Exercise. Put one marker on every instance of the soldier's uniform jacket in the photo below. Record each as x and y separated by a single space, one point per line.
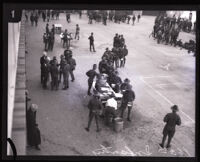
94 105
125 51
54 70
171 119
66 70
128 96
72 63
77 29
91 38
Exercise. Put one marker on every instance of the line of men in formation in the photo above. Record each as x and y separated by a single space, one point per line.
65 68
117 17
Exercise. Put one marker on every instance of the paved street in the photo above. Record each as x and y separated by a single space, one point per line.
161 75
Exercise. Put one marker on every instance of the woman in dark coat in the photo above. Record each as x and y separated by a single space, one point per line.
33 133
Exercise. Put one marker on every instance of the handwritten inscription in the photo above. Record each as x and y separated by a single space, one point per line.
124 152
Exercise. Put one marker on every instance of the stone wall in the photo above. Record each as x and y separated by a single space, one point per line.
19 114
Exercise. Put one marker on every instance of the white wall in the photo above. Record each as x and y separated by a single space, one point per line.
13 43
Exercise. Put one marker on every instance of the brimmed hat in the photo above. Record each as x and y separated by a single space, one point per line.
34 107
175 108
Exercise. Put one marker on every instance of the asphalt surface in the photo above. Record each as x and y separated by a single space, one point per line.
161 75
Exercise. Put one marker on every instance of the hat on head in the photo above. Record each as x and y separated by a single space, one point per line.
126 80
175 108
34 107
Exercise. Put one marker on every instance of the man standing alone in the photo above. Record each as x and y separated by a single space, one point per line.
172 119
91 38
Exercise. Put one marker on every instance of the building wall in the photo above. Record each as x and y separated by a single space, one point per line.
13 43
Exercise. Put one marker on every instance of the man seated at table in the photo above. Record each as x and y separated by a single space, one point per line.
115 81
101 82
110 109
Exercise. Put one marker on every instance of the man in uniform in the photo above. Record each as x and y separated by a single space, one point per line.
124 85
91 74
54 73
94 107
77 32
62 60
47 28
128 18
127 101
103 65
171 119
91 38
125 53
72 63
42 62
110 110
51 41
133 19
46 41
66 70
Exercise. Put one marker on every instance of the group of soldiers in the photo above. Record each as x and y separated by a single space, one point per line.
165 30
65 68
116 16
115 58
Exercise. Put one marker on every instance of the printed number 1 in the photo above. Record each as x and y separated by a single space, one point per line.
13 13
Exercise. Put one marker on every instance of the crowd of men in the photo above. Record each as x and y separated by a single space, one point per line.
56 70
115 16
166 30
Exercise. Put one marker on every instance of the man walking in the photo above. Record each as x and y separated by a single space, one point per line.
94 107
91 74
91 38
172 119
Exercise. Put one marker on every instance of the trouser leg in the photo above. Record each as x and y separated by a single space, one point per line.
72 74
129 112
164 138
96 119
89 87
91 115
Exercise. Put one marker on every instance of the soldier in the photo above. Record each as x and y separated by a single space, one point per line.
51 41
47 28
116 57
127 101
36 19
32 19
106 54
91 74
122 41
65 38
72 64
94 107
103 65
133 19
67 54
115 40
54 74
171 119
110 110
68 17
91 38
57 15
124 85
62 60
42 62
77 31
46 70
115 81
45 41
66 70
48 15
125 53
53 29
43 16
121 56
